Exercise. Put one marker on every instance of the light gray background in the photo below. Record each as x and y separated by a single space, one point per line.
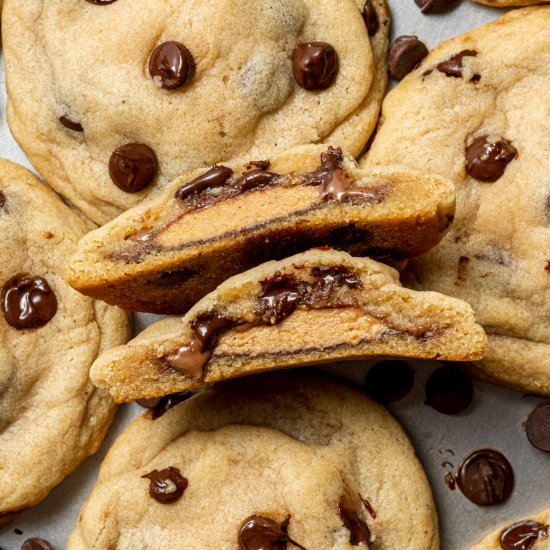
495 418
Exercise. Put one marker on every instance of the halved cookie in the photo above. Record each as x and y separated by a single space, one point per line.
166 254
528 534
51 415
273 461
315 307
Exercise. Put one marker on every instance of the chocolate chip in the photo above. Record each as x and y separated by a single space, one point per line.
132 167
435 6
161 405
262 165
523 535
28 302
166 485
101 2
406 53
389 381
171 65
3 200
259 533
485 477
487 160
449 390
217 176
256 179
359 531
452 66
36 544
279 299
315 65
71 124
538 428
371 18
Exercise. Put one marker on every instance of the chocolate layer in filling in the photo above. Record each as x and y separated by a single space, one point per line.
219 184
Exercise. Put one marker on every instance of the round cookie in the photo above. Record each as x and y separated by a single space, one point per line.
464 114
51 415
530 533
299 447
241 83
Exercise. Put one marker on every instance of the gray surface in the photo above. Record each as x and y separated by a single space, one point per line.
494 419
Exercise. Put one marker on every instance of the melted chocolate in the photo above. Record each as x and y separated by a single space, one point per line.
359 531
486 160
218 176
171 65
371 18
315 65
28 302
523 535
166 485
161 405
257 179
260 533
389 381
36 544
281 295
453 65
485 477
336 184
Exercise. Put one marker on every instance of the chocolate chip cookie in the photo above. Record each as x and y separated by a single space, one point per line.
148 92
51 415
528 534
272 461
476 112
166 254
315 307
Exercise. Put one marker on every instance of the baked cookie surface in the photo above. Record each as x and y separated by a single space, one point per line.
527 534
167 253
120 114
315 307
299 447
51 415
464 114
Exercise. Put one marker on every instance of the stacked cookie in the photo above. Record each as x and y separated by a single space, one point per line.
218 151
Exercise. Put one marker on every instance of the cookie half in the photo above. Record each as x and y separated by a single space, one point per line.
120 114
166 254
528 534
51 415
463 114
271 458
316 307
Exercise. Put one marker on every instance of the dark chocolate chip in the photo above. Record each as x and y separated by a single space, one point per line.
3 200
166 485
71 124
259 533
371 18
435 6
486 477
132 167
255 179
315 65
161 405
28 302
406 53
389 381
101 2
359 531
217 176
452 66
36 544
538 428
171 65
487 160
523 535
279 299
449 390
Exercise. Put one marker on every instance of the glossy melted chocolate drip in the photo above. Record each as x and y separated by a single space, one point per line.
259 533
523 535
217 176
336 184
281 295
